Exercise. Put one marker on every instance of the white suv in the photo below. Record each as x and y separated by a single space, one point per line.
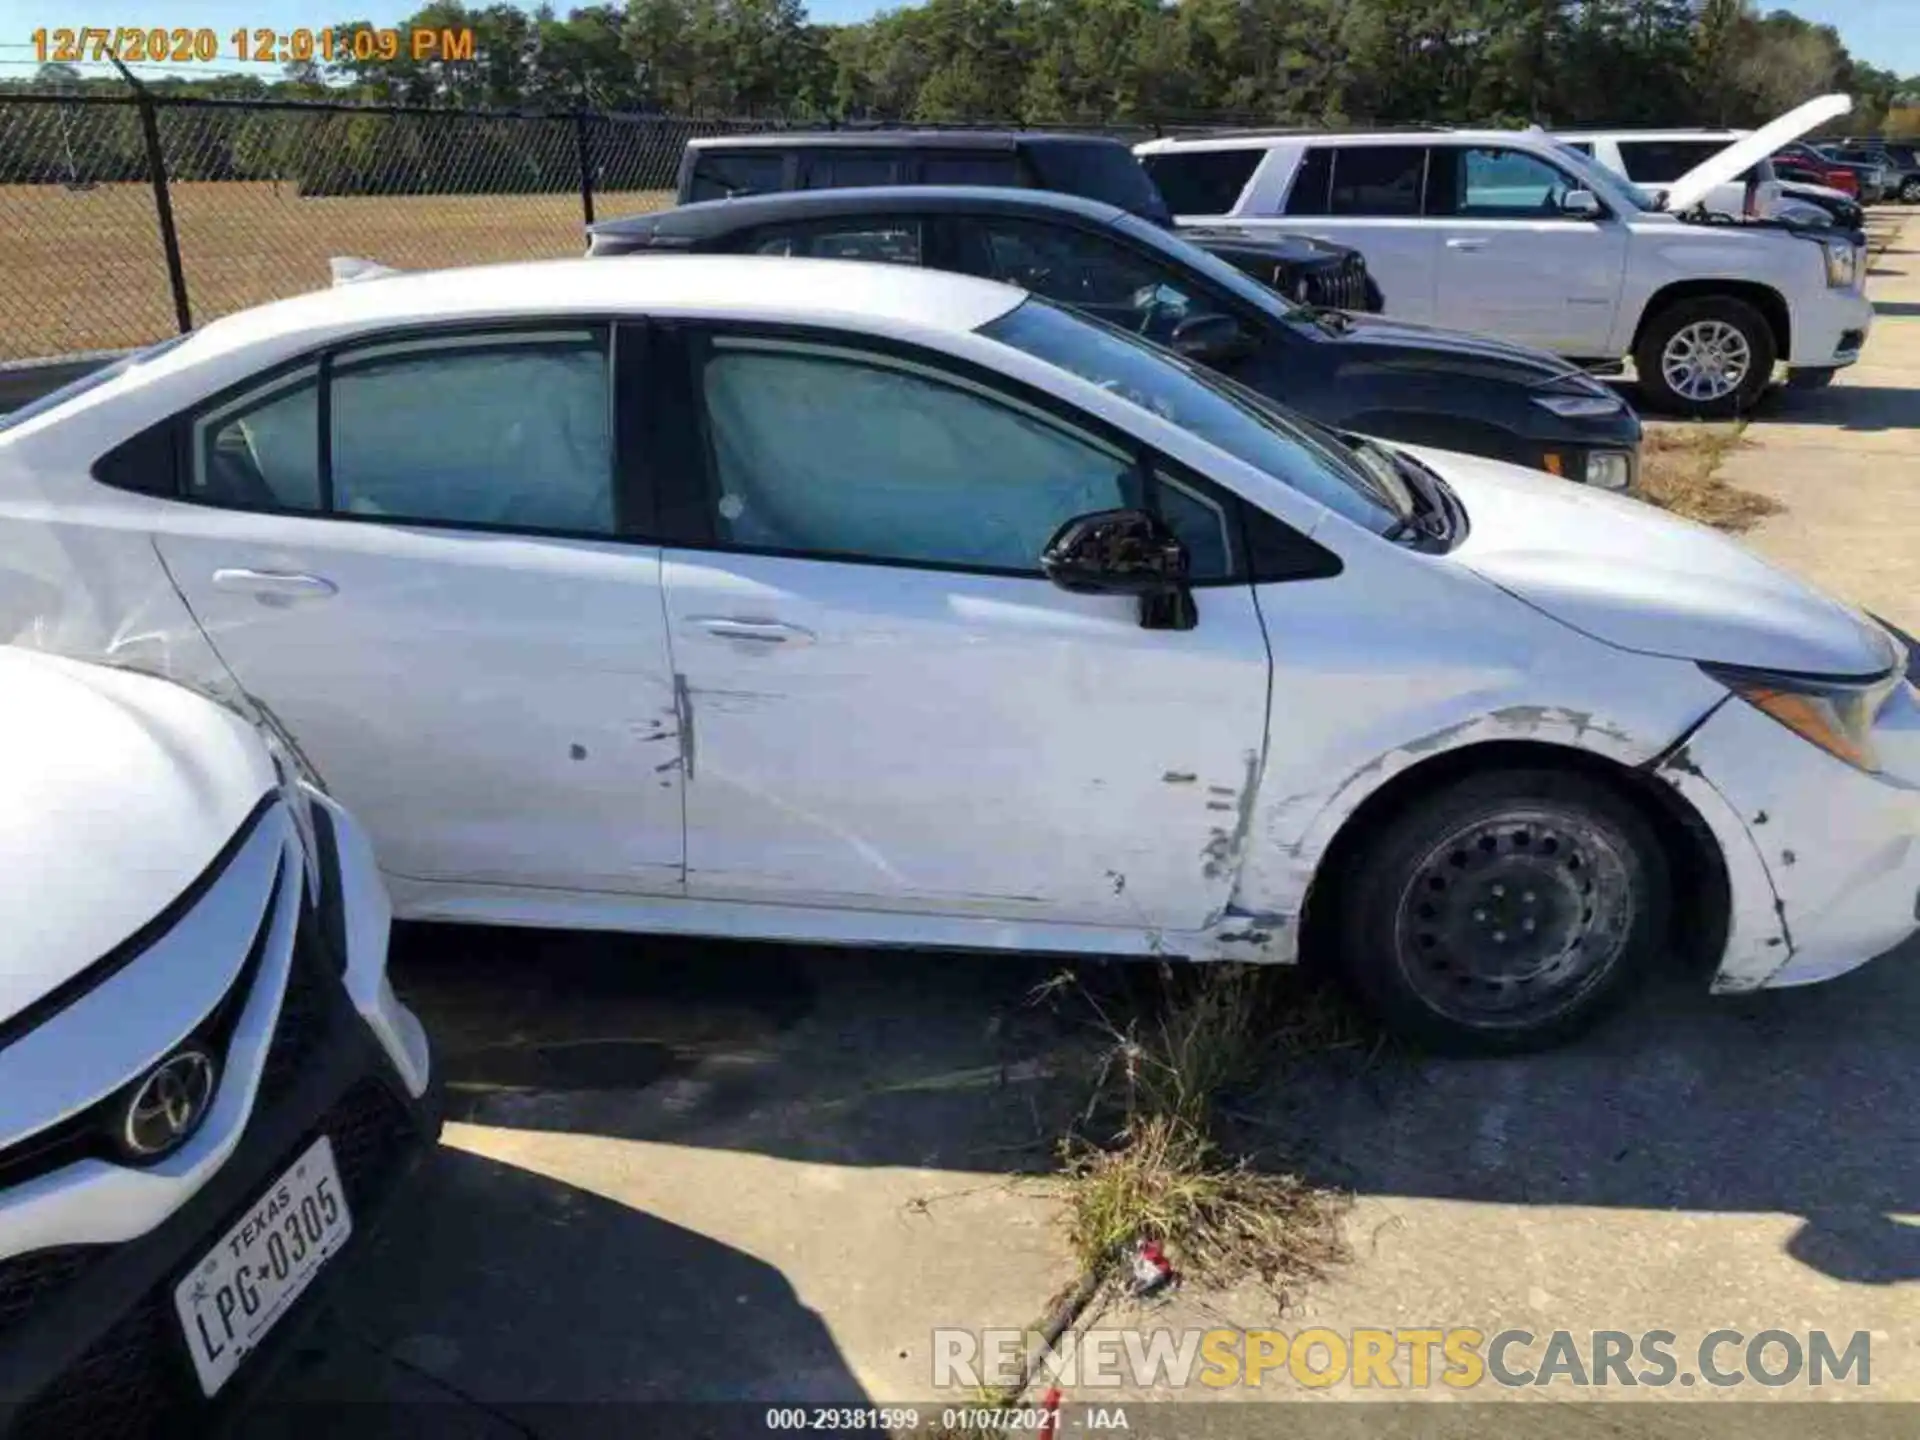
1513 233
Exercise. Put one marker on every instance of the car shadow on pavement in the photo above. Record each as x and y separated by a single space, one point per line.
498 1302
1850 407
1795 1102
847 1057
1888 309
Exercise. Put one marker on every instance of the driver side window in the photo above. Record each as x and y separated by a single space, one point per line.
1493 184
905 464
1087 272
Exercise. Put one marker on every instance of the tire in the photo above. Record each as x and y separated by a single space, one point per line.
1420 915
1728 328
1910 190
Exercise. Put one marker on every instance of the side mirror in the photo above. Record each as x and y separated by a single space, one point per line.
1582 203
1211 339
1124 552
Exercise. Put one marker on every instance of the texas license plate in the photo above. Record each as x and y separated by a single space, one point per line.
236 1294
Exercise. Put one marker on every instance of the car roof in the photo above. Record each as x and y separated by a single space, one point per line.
1003 140
1382 135
1677 134
723 286
706 218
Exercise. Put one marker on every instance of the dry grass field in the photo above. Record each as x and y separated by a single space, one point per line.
83 269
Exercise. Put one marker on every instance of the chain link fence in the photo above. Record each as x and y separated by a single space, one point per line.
126 218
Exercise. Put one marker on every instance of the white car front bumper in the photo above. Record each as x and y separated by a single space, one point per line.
1823 860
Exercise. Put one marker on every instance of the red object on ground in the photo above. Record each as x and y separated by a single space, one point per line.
1151 1268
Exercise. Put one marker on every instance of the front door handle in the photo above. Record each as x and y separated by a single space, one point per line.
1466 244
282 584
764 632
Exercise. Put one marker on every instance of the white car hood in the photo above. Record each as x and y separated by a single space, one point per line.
1729 164
1637 578
119 790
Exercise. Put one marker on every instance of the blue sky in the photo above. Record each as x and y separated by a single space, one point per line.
1881 32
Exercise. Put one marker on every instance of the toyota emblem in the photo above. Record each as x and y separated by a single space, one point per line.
168 1105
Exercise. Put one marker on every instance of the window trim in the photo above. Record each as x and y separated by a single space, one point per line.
634 480
695 480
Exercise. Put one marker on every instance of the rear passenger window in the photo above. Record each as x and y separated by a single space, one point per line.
830 170
508 430
969 170
893 241
1203 182
503 429
1377 180
721 175
1657 162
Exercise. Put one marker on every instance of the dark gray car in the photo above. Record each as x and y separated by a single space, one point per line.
1096 167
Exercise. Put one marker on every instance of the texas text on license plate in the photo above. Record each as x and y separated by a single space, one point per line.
254 1275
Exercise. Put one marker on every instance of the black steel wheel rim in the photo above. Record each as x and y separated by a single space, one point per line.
1513 917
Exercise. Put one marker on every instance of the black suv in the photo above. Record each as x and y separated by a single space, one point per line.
1093 166
1360 373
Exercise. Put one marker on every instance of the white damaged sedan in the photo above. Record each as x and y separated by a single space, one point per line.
868 605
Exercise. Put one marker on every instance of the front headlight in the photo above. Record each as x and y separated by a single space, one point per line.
1610 470
1843 262
1837 716
1579 407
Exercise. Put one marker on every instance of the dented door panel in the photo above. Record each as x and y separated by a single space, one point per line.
496 709
890 738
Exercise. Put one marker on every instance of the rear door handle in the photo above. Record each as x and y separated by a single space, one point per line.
286 584
764 632
1465 244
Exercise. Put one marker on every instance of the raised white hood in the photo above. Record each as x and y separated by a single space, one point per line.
1694 186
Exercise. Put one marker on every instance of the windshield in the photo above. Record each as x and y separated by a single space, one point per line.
1602 181
1212 268
1248 427
113 370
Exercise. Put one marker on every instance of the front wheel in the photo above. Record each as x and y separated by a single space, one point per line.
1504 912
1910 190
1710 357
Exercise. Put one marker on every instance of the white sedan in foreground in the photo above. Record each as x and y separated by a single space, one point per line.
207 1087
843 603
